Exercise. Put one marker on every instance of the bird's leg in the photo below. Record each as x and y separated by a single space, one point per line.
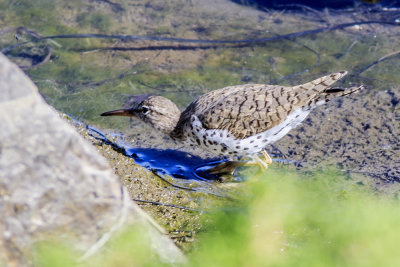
262 163
256 161
267 158
229 167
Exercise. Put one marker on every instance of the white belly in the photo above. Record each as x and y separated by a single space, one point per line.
221 142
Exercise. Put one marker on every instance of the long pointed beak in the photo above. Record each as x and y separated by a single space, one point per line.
118 112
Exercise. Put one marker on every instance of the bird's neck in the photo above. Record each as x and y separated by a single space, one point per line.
169 125
178 132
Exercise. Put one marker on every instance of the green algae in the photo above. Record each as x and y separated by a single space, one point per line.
212 69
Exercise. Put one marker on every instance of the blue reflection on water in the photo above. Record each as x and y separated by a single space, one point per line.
177 164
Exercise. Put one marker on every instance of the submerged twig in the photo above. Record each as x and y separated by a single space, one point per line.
127 38
36 36
348 49
385 57
42 61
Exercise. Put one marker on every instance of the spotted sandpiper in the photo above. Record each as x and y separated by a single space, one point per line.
236 120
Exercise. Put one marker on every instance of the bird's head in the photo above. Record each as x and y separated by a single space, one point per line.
158 111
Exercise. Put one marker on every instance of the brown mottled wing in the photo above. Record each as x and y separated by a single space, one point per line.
245 110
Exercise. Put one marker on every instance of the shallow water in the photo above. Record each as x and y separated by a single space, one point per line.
86 76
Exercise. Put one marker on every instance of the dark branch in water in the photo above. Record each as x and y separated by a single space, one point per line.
200 44
130 38
197 41
36 60
42 61
385 57
155 47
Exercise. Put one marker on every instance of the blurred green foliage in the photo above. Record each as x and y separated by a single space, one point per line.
293 220
284 219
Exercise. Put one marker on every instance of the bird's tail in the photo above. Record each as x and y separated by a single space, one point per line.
320 84
332 93
336 92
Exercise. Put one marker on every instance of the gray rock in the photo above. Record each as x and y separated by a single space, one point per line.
54 183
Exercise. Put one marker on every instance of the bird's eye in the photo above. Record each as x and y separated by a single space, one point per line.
145 110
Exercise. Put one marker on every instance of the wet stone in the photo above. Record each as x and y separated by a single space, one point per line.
53 183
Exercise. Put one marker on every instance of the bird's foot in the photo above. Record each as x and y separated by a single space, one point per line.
267 158
228 167
262 163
